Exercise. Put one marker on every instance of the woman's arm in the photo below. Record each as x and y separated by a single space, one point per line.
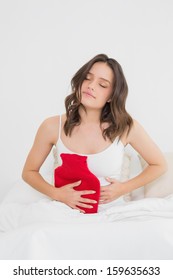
144 145
44 140
46 137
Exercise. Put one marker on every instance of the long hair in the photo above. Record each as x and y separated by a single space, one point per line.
114 112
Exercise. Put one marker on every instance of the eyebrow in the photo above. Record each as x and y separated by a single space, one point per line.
100 78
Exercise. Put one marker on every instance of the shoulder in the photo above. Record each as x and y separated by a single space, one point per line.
137 133
50 128
51 121
134 131
136 126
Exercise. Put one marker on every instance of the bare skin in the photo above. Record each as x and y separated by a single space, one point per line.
87 139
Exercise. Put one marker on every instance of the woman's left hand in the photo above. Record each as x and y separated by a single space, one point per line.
111 191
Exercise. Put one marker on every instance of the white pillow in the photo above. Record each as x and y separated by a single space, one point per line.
131 167
162 186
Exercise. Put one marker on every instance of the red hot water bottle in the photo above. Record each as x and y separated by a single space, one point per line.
74 168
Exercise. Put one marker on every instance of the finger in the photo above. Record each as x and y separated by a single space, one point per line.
105 192
102 189
106 188
87 192
104 201
111 180
90 201
105 196
75 184
84 205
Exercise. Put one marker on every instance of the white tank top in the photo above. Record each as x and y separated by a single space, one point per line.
106 163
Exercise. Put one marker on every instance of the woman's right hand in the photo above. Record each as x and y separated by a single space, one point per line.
68 195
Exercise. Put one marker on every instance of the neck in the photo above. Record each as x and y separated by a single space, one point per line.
90 116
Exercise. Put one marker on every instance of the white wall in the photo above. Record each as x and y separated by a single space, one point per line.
44 42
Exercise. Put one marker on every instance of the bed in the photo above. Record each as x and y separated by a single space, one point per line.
137 226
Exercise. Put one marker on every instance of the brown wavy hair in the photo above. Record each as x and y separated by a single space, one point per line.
114 112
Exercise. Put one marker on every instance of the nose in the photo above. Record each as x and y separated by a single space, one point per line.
90 88
91 85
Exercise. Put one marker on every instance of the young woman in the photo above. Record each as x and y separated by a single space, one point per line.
95 124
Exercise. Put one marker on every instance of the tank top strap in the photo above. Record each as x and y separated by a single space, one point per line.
60 124
56 153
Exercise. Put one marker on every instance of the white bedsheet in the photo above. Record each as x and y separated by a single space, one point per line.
35 227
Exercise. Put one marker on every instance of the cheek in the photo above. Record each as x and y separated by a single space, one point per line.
85 82
81 88
84 85
107 95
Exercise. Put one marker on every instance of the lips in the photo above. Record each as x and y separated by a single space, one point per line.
89 93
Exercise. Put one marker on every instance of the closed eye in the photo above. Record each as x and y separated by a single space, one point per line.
103 86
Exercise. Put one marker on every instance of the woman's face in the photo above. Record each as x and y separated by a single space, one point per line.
97 87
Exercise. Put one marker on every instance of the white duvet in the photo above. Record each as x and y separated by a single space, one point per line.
35 227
